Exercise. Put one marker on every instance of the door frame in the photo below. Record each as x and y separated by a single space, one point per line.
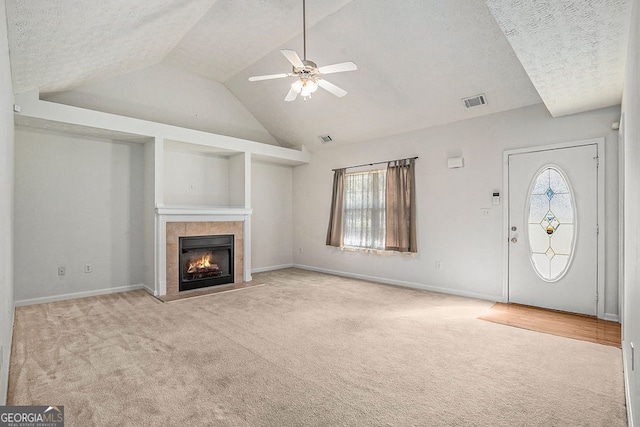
600 144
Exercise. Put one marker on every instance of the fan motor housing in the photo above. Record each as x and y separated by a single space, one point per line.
310 68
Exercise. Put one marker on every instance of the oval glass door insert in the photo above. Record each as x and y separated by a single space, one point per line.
551 224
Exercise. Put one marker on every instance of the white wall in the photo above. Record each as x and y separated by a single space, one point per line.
6 207
449 201
239 177
149 210
193 178
631 294
271 197
77 200
167 95
271 222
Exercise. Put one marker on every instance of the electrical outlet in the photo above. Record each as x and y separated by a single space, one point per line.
88 268
485 212
438 265
62 270
300 250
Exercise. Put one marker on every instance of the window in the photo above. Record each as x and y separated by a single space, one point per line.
551 224
375 209
364 209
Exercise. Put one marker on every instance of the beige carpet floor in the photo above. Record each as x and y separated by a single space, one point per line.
306 349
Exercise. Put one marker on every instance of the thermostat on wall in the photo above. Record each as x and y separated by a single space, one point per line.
455 162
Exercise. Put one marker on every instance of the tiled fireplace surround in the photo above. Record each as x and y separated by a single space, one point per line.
175 230
173 222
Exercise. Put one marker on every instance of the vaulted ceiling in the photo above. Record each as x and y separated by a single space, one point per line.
416 59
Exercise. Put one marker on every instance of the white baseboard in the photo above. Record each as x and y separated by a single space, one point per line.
53 298
625 361
403 283
612 317
271 268
150 291
4 387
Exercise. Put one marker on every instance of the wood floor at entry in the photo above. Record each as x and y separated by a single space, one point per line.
569 325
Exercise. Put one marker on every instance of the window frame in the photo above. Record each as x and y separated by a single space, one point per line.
379 211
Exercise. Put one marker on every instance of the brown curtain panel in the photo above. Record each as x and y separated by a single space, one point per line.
334 232
401 206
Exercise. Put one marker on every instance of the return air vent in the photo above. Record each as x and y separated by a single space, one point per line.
475 101
325 139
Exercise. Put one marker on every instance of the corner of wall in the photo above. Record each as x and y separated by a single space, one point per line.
6 207
631 145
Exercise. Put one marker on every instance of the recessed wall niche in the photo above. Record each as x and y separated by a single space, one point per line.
201 178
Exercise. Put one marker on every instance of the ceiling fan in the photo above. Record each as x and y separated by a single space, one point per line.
309 75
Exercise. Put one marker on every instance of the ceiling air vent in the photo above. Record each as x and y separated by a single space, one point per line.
325 139
475 101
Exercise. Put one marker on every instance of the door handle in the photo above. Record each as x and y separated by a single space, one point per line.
514 240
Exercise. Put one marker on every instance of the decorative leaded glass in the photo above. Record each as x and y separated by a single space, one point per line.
551 224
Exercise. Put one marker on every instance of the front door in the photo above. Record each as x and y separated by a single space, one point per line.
553 226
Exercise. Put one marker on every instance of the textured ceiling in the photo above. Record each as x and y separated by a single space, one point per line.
234 34
60 44
415 64
416 58
573 51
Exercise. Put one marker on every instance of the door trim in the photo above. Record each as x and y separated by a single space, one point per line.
599 142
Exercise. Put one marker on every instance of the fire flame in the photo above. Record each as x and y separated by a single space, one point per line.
199 264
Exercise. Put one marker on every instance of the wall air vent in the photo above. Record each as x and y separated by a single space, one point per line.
475 101
325 139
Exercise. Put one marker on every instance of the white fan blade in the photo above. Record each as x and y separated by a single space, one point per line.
291 96
330 87
292 57
268 77
338 68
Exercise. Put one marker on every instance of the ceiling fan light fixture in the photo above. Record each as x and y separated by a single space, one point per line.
304 87
308 87
309 76
297 86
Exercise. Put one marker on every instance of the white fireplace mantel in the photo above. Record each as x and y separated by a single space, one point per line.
179 213
199 211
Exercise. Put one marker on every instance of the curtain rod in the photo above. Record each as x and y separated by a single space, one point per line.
375 163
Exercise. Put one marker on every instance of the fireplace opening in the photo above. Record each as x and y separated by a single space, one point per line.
205 261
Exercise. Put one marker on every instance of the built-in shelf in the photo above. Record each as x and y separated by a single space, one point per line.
235 157
66 118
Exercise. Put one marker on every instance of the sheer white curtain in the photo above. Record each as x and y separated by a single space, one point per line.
364 209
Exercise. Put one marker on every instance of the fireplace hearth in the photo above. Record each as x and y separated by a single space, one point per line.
205 261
